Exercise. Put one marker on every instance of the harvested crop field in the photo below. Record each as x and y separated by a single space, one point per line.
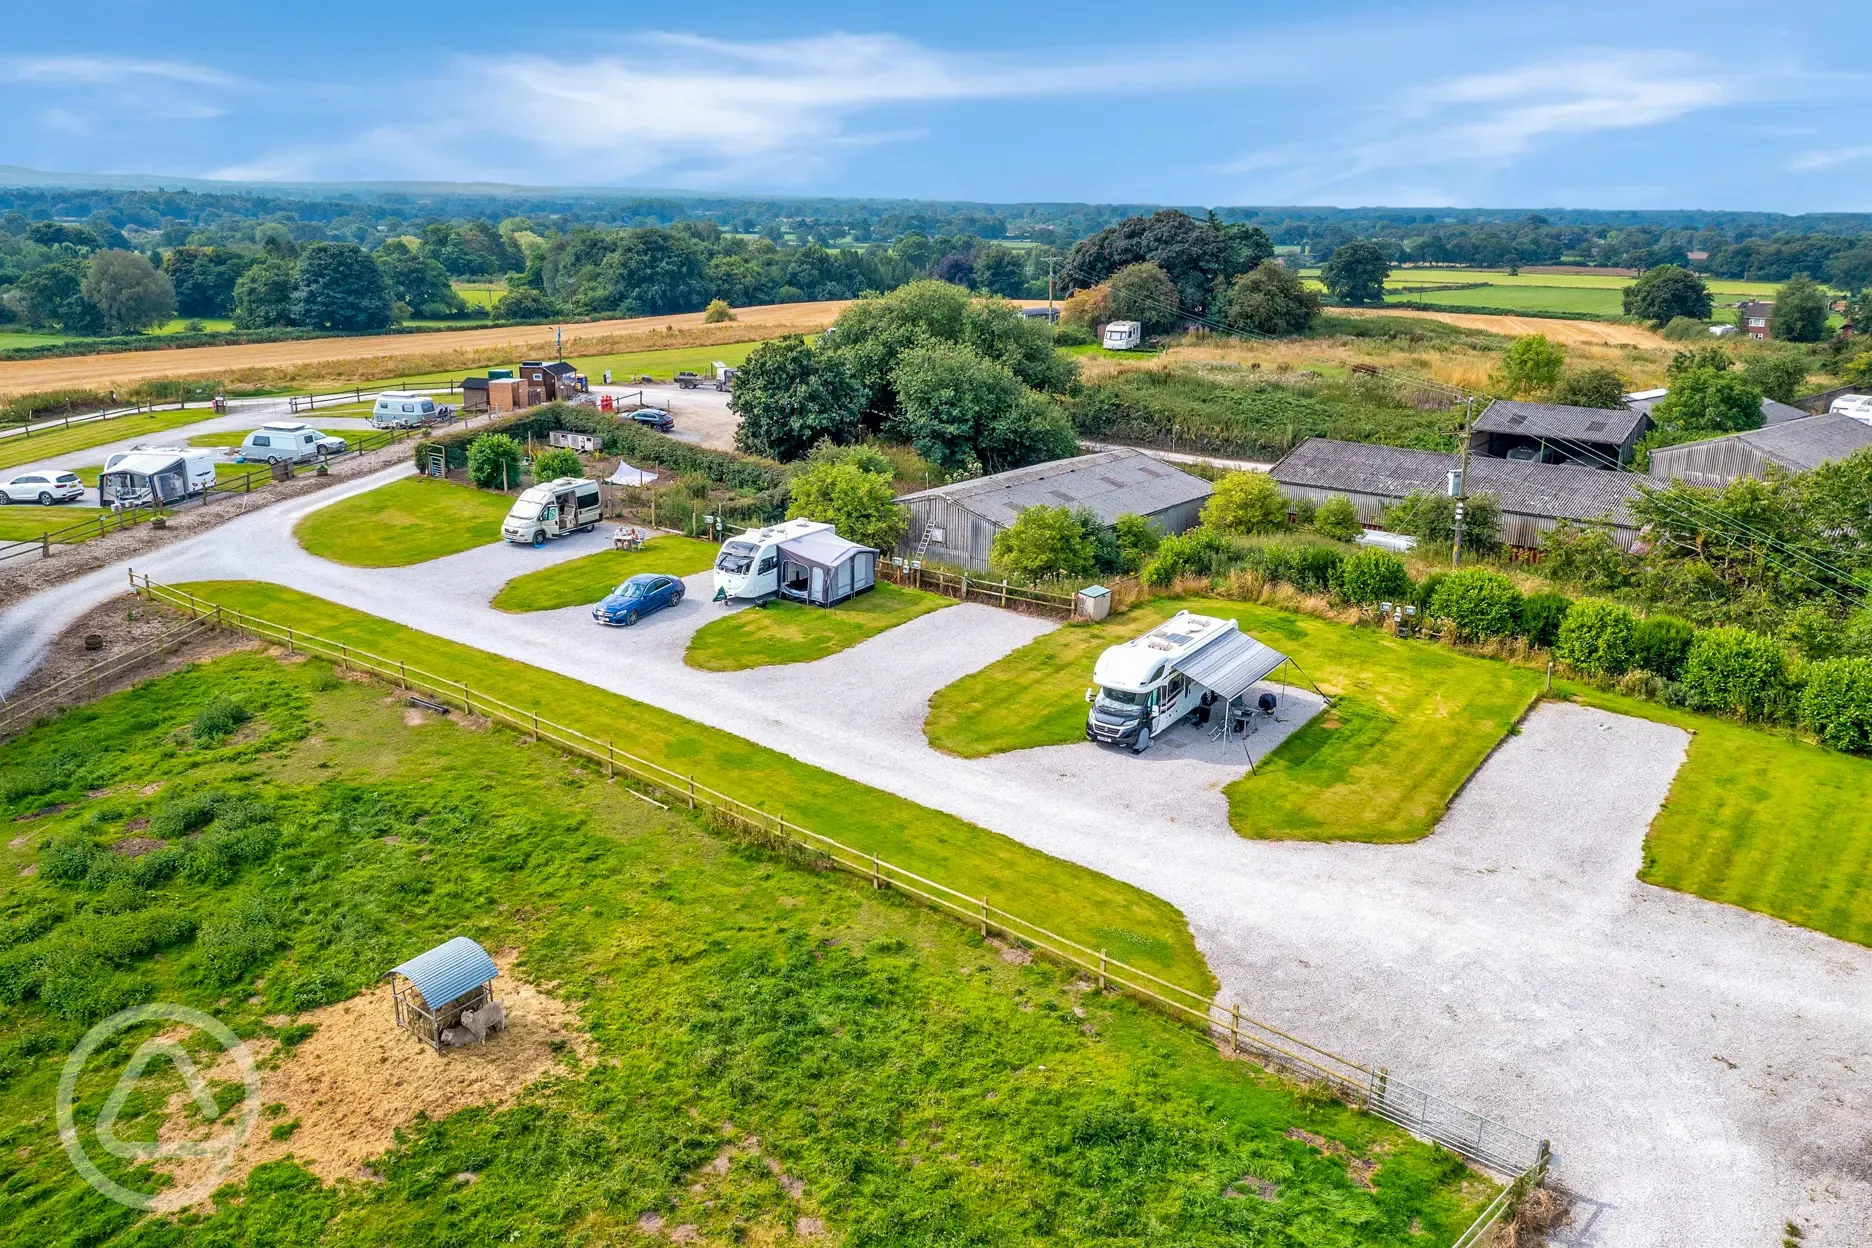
1567 333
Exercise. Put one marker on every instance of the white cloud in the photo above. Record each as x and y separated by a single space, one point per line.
104 71
1828 158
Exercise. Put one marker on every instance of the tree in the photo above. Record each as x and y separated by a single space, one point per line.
1272 300
717 312
1337 518
1703 401
1430 517
999 271
961 411
128 290
1136 539
420 283
1200 257
204 278
1800 311
494 462
1596 386
1245 502
1777 374
1088 307
263 295
1851 270
1355 273
1144 293
957 268
1042 542
338 286
550 465
1666 292
50 289
858 503
1531 365
790 395
525 304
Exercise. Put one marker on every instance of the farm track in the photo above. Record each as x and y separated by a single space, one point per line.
1568 333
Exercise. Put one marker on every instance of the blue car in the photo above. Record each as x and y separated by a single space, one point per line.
638 597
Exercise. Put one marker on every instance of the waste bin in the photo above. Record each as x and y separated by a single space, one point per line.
1092 603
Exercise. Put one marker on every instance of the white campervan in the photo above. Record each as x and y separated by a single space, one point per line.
553 509
1142 690
1123 335
200 463
400 409
748 567
1857 406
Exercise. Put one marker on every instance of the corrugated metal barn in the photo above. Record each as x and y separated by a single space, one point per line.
1533 497
961 520
1795 445
1556 434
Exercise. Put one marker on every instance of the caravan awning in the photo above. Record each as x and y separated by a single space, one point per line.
1232 666
824 549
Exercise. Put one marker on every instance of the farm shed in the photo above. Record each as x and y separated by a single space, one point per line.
1552 433
433 990
1773 413
474 394
960 520
824 569
546 381
1533 497
1794 445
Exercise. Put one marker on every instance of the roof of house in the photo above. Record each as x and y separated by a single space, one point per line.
1794 444
450 970
1109 484
1557 491
1554 420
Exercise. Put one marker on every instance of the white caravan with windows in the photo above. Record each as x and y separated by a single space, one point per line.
748 567
400 409
1142 688
1123 335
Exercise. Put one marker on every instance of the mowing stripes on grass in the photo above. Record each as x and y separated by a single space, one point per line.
1079 904
409 521
585 580
15 450
791 632
1408 725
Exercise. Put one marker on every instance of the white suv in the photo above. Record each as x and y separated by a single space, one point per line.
42 487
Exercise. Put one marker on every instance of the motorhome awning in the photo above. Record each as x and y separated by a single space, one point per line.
1232 666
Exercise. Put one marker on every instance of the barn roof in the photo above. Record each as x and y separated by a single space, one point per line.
1557 421
1109 484
1794 444
450 970
1553 491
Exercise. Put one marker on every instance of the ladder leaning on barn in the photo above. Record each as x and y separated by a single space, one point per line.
923 544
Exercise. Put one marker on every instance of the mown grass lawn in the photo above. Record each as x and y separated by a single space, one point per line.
1090 908
738 1005
1595 300
791 632
15 450
22 522
409 521
1409 721
1759 820
589 578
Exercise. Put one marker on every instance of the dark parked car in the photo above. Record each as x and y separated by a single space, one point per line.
655 417
638 597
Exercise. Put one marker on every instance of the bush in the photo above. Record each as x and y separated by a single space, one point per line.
1301 564
184 814
1424 593
717 312
1042 542
1479 604
1372 575
856 501
525 304
218 719
228 949
1073 335
1541 615
67 859
1245 502
555 463
1733 669
1660 644
1337 518
1686 329
1430 517
494 462
1199 552
1136 538
1595 638
1836 704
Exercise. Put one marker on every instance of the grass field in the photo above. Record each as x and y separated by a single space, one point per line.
26 521
1718 286
907 1084
55 442
1594 300
582 581
625 366
1760 821
790 632
409 521
1098 912
1408 724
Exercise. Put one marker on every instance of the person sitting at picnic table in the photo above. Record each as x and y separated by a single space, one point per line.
627 538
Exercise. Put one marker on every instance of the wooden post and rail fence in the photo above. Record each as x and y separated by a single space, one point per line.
964 588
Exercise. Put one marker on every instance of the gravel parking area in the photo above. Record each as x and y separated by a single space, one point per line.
702 416
1697 1067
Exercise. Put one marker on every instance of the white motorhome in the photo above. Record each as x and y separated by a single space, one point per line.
199 463
553 509
402 409
748 567
1123 335
1142 688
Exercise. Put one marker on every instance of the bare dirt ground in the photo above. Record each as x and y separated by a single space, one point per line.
1568 333
123 622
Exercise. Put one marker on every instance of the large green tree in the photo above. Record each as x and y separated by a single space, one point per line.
338 286
789 395
1043 542
50 289
1800 311
1665 292
965 412
1532 364
130 293
1144 293
858 503
1355 273
204 278
416 281
1704 401
1271 299
1597 385
263 296
1200 257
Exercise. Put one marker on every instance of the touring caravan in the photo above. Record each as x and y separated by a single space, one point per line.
199 464
1123 335
1857 406
400 409
553 510
143 478
748 567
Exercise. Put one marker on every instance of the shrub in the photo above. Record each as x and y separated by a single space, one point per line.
1733 669
550 465
1595 638
218 719
183 814
1136 538
1430 517
67 859
853 499
1303 565
1073 335
1042 542
1424 594
1337 518
1479 604
717 312
1686 329
1836 703
1245 502
1660 644
1541 615
1372 575
494 462
1199 552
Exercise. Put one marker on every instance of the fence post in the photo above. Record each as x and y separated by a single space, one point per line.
467 706
610 759
344 656
403 674
45 545
1004 593
1235 1028
964 597
984 918
289 639
1101 970
876 880
692 791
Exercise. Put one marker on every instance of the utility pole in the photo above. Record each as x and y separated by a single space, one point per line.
1050 260
1462 487
558 342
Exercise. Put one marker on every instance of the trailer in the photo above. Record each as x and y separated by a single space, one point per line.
748 567
1122 335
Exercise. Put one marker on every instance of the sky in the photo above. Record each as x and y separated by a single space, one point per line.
1656 104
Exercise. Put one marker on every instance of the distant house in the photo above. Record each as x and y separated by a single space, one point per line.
1795 445
1533 497
1550 433
1752 318
957 523
1773 412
